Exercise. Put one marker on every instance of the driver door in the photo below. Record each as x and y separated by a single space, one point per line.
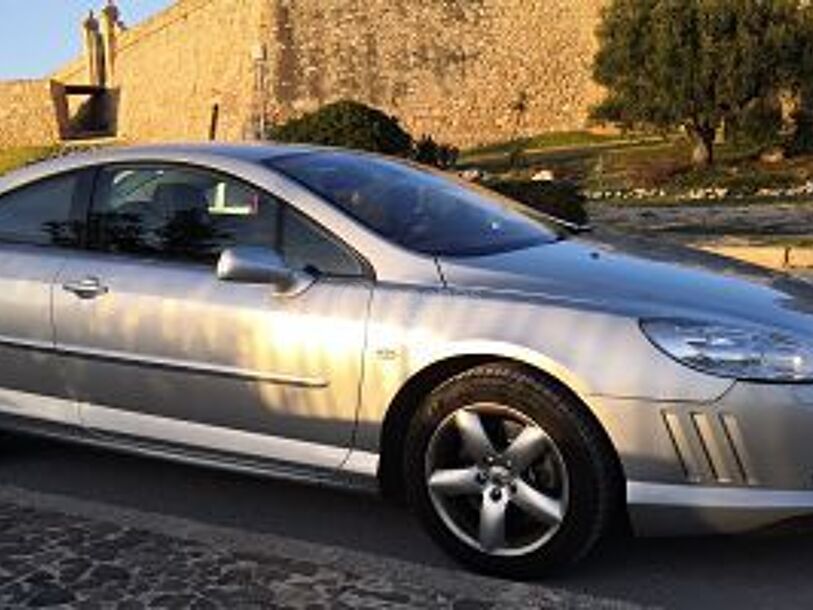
160 351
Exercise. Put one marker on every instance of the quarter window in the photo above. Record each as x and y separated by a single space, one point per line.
40 214
307 247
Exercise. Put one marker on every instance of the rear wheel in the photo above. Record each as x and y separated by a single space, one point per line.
507 472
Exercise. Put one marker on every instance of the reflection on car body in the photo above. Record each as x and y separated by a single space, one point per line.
330 315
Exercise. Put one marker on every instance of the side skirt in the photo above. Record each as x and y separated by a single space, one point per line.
272 468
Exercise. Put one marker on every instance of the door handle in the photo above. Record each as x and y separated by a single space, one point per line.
86 288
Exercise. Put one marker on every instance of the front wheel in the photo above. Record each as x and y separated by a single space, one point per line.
508 473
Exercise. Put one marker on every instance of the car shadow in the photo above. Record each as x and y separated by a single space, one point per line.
762 570
766 569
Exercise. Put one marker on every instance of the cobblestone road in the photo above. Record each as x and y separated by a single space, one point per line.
52 559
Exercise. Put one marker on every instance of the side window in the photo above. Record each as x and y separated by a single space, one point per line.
178 213
40 214
192 215
307 247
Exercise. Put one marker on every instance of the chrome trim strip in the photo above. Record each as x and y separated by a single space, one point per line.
35 406
166 363
216 438
277 470
722 469
34 344
362 463
731 428
693 496
684 448
194 367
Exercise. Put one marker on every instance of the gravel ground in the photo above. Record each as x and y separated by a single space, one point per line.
759 222
71 558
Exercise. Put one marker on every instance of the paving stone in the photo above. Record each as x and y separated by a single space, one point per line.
50 560
48 594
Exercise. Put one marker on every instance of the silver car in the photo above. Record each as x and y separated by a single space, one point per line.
335 316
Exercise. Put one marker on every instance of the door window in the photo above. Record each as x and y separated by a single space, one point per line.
40 213
192 215
178 213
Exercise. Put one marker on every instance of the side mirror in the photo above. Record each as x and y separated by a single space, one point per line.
258 265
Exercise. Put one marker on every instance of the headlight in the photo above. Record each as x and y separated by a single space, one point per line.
732 351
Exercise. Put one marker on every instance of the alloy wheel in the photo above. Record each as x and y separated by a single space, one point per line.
497 479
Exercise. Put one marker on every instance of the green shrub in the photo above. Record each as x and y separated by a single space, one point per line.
560 199
347 124
801 142
759 126
429 152
350 124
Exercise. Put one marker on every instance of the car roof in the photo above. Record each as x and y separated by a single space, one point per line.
204 153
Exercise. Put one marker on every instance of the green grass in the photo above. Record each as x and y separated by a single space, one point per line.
612 163
14 158
569 139
559 139
668 168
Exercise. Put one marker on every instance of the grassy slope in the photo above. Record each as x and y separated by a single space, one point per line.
543 141
612 163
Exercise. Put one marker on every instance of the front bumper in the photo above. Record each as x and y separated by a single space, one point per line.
669 510
741 462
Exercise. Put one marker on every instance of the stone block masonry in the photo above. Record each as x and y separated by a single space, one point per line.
188 64
463 71
31 113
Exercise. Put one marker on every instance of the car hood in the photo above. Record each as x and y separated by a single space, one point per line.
640 277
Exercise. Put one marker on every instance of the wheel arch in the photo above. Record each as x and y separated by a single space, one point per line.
411 394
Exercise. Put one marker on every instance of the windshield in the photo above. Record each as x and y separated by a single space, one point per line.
420 210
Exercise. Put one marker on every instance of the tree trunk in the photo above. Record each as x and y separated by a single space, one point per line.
702 139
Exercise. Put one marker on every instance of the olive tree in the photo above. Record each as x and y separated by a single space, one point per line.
802 141
696 63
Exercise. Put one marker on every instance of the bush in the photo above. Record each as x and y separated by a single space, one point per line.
350 125
429 152
560 199
759 126
801 142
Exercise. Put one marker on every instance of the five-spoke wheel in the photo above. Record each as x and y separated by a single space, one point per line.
509 472
497 479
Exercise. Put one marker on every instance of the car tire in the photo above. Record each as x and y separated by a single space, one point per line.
509 506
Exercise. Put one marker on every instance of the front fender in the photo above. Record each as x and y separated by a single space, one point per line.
594 353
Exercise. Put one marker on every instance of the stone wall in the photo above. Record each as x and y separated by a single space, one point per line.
456 69
463 71
73 73
31 113
172 70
